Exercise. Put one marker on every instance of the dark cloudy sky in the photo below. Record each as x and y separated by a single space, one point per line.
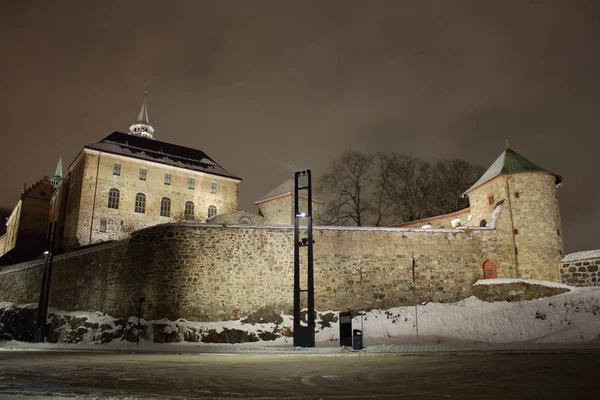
265 87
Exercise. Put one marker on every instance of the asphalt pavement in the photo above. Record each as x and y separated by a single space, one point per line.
88 375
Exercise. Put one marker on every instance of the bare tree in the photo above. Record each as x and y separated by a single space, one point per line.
384 189
410 186
345 189
450 179
383 165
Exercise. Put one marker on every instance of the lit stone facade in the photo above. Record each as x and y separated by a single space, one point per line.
91 219
27 226
280 210
533 226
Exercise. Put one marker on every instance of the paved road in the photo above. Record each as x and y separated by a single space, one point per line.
34 374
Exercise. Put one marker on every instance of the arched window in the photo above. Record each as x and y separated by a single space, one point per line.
188 212
165 207
212 211
113 198
140 203
245 221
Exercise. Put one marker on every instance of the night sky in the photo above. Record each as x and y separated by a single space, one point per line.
268 87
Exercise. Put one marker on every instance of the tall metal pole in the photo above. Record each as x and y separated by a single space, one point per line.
297 325
311 278
303 335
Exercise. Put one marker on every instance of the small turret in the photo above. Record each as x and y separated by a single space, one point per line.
142 126
58 175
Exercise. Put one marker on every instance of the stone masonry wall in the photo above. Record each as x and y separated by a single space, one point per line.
537 247
280 211
202 272
581 272
79 279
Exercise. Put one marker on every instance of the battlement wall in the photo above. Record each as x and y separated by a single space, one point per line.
202 272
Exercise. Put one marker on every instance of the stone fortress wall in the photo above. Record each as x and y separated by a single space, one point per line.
581 268
216 272
204 272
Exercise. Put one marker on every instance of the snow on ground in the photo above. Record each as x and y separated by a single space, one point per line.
529 281
565 320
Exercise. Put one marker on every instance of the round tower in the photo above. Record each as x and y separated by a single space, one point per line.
142 126
519 200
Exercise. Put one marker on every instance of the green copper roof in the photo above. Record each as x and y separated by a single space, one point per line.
58 171
510 162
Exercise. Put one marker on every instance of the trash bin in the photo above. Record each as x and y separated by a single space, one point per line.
357 340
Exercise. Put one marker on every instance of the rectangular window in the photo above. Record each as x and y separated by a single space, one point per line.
116 169
165 207
113 198
102 225
189 210
213 187
516 231
191 183
167 179
491 199
140 203
517 195
558 232
143 173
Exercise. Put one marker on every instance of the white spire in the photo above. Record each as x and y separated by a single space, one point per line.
142 126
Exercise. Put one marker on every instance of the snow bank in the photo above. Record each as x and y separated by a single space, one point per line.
581 255
500 281
571 318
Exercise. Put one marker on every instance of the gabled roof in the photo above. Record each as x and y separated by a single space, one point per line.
160 152
508 163
283 190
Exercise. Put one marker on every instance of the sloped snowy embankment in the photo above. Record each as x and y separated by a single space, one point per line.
571 317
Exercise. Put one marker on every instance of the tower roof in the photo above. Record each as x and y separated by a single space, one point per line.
508 163
285 189
142 126
58 172
143 117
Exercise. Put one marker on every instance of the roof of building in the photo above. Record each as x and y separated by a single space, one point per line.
285 189
164 153
58 172
510 162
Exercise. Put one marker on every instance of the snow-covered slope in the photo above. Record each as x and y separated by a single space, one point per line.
571 317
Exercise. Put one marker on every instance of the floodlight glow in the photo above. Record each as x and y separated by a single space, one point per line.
46 252
301 215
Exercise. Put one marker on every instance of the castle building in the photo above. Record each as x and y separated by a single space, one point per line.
277 206
26 227
129 181
531 235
